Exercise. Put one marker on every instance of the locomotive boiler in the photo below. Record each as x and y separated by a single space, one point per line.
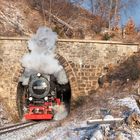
39 97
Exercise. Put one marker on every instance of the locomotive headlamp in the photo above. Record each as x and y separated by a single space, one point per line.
45 98
38 74
30 98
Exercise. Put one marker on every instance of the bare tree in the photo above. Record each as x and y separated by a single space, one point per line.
111 10
92 6
66 15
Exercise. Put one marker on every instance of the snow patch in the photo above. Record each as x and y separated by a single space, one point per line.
130 102
60 112
97 135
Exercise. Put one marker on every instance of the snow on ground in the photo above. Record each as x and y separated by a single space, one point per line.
71 131
82 131
79 130
28 132
130 102
76 129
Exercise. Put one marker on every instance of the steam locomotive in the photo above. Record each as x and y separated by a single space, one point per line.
37 98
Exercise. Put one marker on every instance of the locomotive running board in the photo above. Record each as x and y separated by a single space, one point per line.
38 116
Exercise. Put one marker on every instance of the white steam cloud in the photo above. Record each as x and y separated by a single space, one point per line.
41 57
60 112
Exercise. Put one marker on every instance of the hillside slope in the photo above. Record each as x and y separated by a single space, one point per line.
23 17
17 18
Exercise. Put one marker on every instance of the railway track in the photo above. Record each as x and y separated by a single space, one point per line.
14 127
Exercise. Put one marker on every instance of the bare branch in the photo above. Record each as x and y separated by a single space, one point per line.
59 20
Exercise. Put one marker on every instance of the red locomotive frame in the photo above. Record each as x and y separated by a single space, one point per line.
43 112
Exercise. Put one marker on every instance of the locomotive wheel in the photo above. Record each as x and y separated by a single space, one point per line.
20 100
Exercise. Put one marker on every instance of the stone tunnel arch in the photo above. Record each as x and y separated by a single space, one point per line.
18 69
71 77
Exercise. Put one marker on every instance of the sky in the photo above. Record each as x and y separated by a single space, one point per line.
134 13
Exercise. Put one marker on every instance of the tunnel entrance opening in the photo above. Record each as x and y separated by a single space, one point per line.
58 98
66 95
70 90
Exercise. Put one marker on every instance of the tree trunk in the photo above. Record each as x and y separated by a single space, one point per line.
115 13
110 8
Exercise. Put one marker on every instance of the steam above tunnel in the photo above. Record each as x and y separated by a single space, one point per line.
41 58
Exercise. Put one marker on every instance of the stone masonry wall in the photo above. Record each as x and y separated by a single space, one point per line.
83 61
88 59
10 68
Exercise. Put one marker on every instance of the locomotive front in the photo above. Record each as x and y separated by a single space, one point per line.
38 97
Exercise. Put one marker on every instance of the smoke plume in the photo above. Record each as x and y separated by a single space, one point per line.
60 112
41 57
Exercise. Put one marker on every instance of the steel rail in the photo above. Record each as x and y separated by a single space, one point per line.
17 126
